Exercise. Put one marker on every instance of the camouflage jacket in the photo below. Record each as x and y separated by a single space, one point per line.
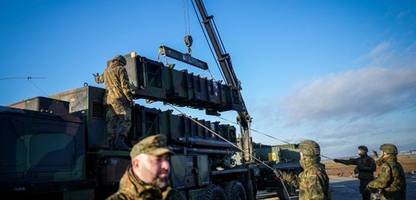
132 188
117 84
313 182
365 166
391 180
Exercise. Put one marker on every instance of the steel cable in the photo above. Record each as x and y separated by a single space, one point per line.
232 144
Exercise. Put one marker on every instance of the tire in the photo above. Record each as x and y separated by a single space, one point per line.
251 191
214 192
234 190
282 192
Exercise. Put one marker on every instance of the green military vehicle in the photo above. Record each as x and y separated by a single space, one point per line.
56 147
283 153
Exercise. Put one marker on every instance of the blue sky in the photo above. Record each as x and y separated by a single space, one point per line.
340 72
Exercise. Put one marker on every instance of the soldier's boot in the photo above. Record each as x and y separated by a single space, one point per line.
120 143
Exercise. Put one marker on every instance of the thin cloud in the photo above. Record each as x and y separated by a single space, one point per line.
353 94
346 145
371 105
379 49
385 84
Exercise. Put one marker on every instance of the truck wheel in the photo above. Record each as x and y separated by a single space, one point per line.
251 190
214 192
282 193
234 190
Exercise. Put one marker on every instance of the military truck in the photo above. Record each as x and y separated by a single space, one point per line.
283 153
56 147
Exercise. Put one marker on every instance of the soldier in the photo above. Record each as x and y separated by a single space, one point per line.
147 176
391 182
313 182
119 101
365 168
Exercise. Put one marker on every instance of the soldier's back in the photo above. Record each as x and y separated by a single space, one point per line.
115 79
314 183
397 188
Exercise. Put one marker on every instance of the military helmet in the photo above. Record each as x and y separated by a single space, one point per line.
362 147
120 59
389 148
309 148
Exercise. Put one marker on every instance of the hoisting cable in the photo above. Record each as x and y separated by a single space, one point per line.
186 17
257 131
275 171
209 45
188 38
265 134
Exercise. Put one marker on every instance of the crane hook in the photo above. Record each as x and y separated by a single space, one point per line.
188 42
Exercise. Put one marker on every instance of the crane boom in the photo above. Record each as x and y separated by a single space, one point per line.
224 60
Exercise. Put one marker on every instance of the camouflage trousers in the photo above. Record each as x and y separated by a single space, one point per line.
118 119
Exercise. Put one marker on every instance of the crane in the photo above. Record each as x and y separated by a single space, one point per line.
224 59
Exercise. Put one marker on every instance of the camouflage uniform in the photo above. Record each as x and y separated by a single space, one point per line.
313 182
365 168
118 97
131 187
391 181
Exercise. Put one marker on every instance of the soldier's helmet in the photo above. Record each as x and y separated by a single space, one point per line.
389 148
362 147
310 148
120 59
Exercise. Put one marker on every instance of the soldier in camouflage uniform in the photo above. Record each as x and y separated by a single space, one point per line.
313 182
391 181
147 176
365 168
119 101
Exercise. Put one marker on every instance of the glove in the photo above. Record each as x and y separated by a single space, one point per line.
97 77
356 170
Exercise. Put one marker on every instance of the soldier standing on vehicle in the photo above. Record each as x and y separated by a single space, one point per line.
365 169
313 182
391 182
147 176
119 101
